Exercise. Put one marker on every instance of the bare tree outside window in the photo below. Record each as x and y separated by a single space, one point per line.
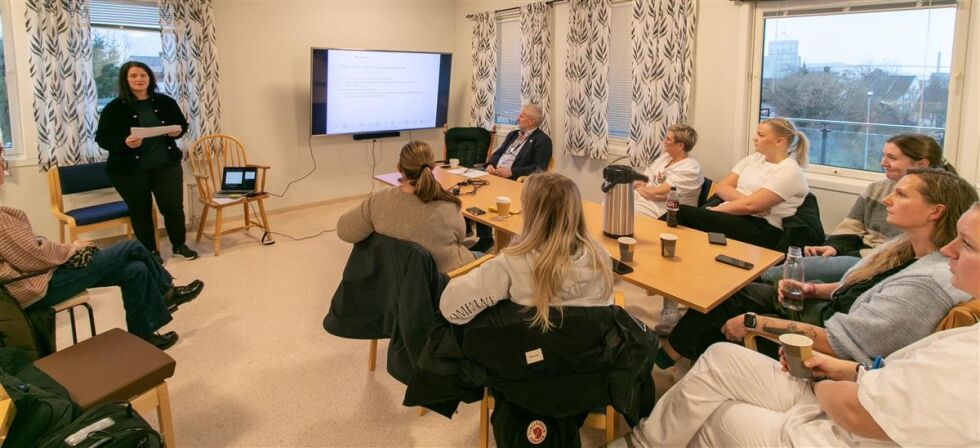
850 81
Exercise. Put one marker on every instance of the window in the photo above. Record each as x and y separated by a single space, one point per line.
123 31
6 135
507 98
850 77
620 70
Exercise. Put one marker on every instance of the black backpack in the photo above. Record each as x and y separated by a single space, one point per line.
41 403
108 425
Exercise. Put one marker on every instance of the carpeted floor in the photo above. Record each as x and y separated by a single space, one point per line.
255 367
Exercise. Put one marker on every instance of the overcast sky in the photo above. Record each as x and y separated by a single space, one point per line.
910 39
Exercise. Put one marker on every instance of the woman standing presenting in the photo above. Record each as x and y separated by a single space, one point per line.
142 169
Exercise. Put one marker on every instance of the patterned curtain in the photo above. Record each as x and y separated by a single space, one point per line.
484 84
63 81
190 64
587 125
663 70
536 58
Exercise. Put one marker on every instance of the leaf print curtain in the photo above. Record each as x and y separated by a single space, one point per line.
536 59
190 64
586 71
63 82
484 56
663 70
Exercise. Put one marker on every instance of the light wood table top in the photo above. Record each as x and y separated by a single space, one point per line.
691 277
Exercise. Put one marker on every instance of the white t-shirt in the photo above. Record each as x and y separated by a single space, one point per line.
927 394
685 175
509 277
786 179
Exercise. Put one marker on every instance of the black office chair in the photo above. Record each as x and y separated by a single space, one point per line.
470 145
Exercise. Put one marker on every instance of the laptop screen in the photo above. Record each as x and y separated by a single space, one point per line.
239 178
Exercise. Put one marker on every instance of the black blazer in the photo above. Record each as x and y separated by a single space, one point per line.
114 126
534 156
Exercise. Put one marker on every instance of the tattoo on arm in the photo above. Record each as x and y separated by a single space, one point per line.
792 327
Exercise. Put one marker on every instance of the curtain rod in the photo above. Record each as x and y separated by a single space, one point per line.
515 8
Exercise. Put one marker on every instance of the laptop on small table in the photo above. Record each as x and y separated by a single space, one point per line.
237 181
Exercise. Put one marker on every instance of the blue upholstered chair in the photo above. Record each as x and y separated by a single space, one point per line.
75 179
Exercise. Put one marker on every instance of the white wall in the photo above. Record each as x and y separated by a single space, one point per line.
264 56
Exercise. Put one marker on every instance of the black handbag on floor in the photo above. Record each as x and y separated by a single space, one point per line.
108 425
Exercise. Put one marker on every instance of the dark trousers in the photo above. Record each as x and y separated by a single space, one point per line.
138 190
696 331
747 229
128 265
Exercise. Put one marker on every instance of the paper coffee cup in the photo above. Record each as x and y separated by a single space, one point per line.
668 245
503 206
797 348
453 163
627 246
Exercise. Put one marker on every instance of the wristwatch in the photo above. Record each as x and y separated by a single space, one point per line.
748 320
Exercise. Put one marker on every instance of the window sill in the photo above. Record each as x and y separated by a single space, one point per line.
837 183
20 161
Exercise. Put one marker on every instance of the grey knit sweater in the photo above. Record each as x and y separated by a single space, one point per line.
437 226
896 312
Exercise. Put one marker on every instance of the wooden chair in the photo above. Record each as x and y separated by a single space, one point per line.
605 420
80 300
116 365
707 190
209 156
373 347
80 179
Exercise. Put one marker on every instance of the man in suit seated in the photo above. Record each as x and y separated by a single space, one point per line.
525 150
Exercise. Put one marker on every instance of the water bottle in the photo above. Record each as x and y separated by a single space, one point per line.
673 205
793 270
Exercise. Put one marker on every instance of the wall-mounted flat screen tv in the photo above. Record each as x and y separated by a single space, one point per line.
369 91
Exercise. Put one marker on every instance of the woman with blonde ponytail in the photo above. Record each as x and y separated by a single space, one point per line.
893 297
419 210
763 188
555 262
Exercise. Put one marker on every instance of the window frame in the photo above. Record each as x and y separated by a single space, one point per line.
800 8
16 153
501 18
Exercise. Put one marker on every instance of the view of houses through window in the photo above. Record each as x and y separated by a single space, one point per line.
850 81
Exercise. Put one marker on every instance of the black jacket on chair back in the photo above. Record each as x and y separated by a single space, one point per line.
596 356
390 289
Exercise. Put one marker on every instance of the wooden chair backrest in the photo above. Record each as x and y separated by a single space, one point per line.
210 155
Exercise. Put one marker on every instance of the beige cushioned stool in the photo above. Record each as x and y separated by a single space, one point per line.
116 366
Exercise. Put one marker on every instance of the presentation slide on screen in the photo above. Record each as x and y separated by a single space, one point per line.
371 91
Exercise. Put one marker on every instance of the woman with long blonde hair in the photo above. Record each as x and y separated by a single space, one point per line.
761 190
894 296
419 210
555 261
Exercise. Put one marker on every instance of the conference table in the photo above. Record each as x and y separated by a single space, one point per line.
691 277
